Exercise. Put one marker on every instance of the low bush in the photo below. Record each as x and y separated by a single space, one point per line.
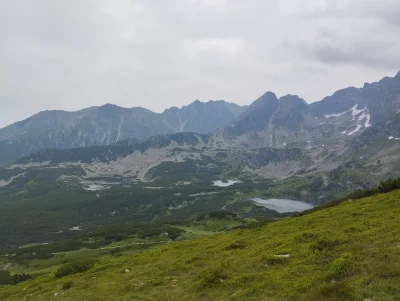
240 244
324 245
74 267
211 278
67 285
6 278
341 267
389 185
18 278
222 214
192 259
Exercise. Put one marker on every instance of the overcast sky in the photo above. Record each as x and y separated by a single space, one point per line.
71 54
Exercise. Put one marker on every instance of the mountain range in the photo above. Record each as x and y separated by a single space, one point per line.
272 138
114 165
274 122
108 124
268 121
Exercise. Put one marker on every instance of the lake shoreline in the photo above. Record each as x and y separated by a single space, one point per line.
282 205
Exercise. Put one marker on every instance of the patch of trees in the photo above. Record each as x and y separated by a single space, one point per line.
7 279
222 214
46 250
384 186
129 230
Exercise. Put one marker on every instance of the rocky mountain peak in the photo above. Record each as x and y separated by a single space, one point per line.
256 117
292 102
268 97
109 106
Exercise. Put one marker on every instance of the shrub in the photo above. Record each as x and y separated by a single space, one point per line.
359 194
18 278
240 244
74 267
67 285
211 278
192 259
6 278
306 237
341 267
261 222
222 214
389 185
324 245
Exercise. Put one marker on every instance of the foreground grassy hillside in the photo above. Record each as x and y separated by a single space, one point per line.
347 252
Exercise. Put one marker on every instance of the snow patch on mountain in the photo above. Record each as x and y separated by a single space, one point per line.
367 118
356 130
4 183
361 116
355 111
335 115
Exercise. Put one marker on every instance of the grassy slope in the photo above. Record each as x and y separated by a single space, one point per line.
347 252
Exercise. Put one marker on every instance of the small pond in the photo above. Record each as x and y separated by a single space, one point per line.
282 205
226 183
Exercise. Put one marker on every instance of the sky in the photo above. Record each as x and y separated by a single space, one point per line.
72 54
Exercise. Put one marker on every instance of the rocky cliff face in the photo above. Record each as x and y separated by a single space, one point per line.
274 122
201 117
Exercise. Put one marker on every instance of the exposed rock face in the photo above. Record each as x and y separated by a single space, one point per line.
108 124
201 117
332 124
274 122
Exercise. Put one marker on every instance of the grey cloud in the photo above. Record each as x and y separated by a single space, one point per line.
384 10
335 52
354 32
70 54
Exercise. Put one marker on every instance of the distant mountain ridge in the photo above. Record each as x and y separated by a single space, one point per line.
109 124
273 122
285 122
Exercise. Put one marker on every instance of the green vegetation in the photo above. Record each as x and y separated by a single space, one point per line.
74 267
6 278
42 209
349 252
383 187
42 205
